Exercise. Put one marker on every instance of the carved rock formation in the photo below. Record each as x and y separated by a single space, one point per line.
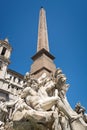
42 105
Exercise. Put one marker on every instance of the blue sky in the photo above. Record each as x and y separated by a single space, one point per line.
67 31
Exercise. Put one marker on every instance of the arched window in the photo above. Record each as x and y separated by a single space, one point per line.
3 51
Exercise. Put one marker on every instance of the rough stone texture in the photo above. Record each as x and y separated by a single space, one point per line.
42 64
42 105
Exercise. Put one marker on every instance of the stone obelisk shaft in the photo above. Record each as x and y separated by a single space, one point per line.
42 32
43 59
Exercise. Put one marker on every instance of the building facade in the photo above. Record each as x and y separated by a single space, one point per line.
11 82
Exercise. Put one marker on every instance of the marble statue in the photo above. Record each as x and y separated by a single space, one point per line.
42 105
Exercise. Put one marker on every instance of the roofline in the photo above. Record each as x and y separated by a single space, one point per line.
16 73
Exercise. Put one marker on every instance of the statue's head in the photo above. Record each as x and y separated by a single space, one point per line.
58 71
27 76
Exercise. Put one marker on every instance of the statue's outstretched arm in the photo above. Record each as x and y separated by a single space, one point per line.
11 103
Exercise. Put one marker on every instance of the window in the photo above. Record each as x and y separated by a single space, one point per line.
3 51
9 86
17 89
10 77
19 81
12 86
0 65
14 79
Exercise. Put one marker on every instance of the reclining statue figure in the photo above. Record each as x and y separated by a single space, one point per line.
44 100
